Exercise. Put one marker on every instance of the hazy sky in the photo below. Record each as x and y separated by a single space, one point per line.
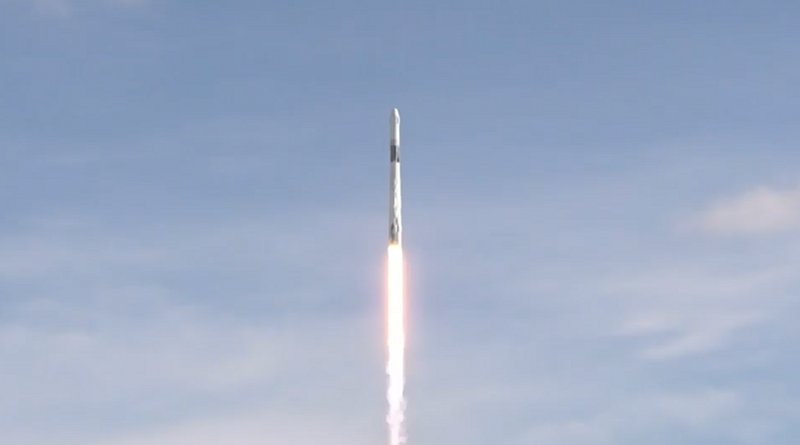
602 209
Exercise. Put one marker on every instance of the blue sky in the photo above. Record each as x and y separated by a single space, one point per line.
602 210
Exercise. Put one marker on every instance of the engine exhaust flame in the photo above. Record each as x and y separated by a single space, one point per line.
396 344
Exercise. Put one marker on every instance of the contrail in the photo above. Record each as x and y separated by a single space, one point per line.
395 307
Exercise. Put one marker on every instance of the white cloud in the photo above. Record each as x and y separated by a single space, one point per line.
758 211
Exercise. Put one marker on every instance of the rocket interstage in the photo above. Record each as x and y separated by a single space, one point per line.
395 192
395 295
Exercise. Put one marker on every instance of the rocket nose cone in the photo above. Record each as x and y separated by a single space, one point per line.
395 115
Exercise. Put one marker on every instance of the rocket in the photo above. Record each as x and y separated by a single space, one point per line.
395 195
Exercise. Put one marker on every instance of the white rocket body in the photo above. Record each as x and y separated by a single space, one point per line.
395 193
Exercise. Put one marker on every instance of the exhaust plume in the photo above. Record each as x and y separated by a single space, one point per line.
396 344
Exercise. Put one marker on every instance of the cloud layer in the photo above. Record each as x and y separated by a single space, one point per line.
64 8
762 210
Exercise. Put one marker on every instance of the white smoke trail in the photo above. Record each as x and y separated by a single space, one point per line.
396 343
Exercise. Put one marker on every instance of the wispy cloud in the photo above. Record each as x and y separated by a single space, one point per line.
694 334
99 331
64 8
682 312
308 426
762 210
637 417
